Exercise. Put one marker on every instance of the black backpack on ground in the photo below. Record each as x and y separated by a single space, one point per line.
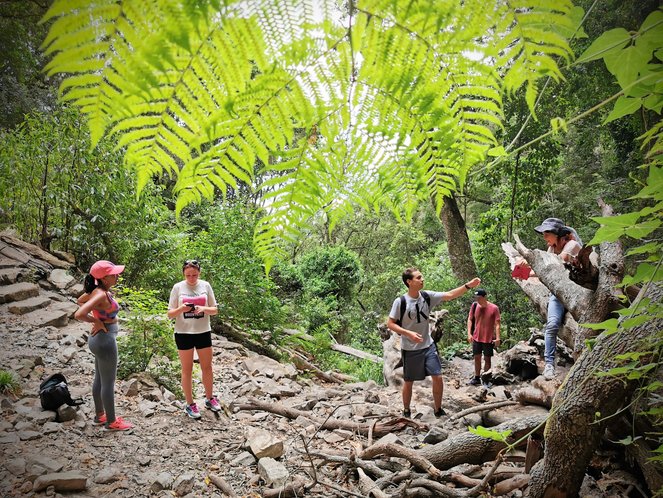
54 392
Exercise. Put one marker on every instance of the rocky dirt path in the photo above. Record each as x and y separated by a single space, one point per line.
168 454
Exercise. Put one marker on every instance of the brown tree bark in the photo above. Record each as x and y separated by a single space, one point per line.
460 252
379 429
470 448
574 429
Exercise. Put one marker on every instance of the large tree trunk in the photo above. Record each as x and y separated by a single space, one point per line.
575 428
585 402
460 252
468 447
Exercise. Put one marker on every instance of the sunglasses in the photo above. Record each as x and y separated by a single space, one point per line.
191 262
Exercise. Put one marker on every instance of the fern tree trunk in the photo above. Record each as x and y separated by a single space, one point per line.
460 252
574 429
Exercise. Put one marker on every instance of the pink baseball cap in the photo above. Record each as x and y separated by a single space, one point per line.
103 268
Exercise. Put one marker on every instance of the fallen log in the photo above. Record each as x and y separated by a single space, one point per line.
229 331
380 429
302 364
294 489
540 392
368 487
343 491
468 447
358 463
395 450
572 432
357 353
394 479
482 408
516 482
463 480
439 490
298 334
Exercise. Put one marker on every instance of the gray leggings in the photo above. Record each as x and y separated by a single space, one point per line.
104 348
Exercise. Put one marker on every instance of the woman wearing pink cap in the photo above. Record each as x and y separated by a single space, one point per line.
98 307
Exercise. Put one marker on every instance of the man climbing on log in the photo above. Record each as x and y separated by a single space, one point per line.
409 319
483 332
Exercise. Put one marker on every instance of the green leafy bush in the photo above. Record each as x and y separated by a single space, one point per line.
453 349
63 194
8 383
221 238
149 346
287 278
330 271
328 359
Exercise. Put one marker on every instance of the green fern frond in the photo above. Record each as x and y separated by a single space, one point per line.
400 98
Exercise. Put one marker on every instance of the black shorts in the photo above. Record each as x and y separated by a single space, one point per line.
419 363
190 341
482 347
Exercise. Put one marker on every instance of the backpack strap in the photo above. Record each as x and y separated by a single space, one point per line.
403 305
472 311
426 297
74 402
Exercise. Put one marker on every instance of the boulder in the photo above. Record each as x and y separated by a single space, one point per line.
60 278
263 444
62 481
27 305
18 292
44 317
272 472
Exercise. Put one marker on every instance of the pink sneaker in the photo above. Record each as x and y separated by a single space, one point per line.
119 425
192 411
99 419
213 404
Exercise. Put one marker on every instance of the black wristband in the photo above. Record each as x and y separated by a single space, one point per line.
467 286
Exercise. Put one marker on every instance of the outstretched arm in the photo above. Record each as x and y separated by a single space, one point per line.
459 291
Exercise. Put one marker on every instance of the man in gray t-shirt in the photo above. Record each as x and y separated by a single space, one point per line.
418 351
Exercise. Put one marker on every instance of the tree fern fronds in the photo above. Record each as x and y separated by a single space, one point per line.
400 97
82 48
529 43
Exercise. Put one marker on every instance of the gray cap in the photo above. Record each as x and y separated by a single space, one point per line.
553 225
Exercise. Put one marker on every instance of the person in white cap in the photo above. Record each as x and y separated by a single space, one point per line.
565 242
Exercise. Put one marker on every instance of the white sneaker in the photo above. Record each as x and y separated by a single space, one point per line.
548 371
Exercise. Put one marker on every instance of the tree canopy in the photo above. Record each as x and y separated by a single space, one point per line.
377 104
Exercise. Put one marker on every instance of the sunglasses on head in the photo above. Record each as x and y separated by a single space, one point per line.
191 262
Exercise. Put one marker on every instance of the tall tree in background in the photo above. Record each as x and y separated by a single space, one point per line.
460 252
23 86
